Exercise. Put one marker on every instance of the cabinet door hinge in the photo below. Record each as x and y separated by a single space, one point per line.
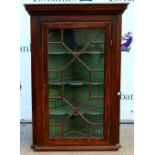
109 129
111 43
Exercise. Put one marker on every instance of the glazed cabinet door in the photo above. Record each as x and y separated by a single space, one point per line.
76 81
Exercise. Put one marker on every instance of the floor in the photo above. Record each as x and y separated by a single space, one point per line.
126 140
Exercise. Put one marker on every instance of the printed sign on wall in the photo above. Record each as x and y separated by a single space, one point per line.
126 94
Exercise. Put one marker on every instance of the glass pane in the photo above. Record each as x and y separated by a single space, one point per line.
54 35
97 84
76 82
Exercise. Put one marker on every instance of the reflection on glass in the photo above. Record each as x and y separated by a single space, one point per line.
75 80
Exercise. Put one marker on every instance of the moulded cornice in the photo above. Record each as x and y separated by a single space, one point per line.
76 9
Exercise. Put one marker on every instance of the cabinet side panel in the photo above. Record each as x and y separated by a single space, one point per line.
36 80
115 79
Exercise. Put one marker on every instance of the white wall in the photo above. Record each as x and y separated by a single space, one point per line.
127 60
127 68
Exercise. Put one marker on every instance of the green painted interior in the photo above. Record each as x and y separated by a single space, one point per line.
76 82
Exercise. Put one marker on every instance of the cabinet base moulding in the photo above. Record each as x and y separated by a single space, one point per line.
76 148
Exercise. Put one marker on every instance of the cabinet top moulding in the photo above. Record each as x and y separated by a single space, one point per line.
76 9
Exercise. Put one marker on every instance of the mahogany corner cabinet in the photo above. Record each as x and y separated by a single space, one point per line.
76 57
